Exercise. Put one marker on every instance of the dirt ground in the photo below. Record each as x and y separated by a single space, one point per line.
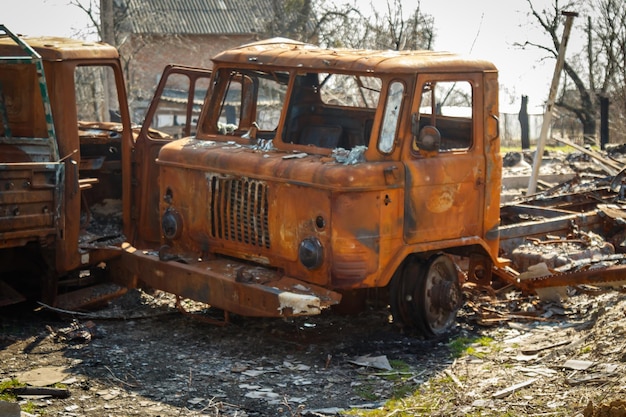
140 356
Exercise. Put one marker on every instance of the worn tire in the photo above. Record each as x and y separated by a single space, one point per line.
426 296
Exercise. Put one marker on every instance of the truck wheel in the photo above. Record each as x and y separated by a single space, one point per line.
426 297
402 291
438 296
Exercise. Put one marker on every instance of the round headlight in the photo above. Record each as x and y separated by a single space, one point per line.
171 224
311 253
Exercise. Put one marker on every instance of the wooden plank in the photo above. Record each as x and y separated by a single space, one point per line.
507 391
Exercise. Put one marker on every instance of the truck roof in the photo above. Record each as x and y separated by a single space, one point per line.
57 48
281 52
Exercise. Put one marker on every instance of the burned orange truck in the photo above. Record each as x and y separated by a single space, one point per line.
306 178
316 177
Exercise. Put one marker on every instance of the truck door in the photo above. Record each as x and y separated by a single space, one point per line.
30 170
446 175
172 114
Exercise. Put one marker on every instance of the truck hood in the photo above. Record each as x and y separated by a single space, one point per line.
276 165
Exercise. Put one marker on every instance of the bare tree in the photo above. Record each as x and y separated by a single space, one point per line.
292 19
315 21
392 30
595 71
92 10
344 25
117 23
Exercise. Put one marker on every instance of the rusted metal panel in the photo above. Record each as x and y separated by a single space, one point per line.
227 284
150 140
290 54
60 49
445 199
560 239
89 297
545 222
493 160
239 210
265 220
600 276
29 201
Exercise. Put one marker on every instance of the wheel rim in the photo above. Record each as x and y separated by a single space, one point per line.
439 296
426 297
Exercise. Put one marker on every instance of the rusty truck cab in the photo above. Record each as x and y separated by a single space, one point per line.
336 170
65 138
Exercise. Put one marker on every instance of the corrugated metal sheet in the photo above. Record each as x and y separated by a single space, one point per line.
197 17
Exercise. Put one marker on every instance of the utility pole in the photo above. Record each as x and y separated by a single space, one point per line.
106 22
547 116
107 32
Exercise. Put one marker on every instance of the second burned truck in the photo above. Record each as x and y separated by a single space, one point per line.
316 174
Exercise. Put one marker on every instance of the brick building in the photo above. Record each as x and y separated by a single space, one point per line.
153 33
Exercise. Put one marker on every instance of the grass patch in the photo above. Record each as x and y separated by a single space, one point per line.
30 408
400 370
7 395
403 386
468 346
425 400
437 396
366 392
5 390
458 346
401 375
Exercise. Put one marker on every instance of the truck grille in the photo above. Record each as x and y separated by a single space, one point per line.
239 209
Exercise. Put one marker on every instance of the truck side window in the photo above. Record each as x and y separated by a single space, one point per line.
96 96
97 110
447 105
170 116
21 103
390 118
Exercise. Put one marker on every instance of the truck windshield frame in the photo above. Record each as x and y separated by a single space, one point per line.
244 100
312 111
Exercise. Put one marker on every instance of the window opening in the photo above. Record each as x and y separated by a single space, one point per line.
447 106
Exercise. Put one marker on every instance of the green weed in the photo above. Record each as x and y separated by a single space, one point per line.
5 390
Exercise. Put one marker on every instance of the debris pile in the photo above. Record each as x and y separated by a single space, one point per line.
76 332
572 231
560 253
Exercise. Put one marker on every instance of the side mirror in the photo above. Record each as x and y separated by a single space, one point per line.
429 139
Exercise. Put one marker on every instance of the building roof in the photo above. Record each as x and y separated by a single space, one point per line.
195 17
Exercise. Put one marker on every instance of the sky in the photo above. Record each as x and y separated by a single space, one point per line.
489 29
485 29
